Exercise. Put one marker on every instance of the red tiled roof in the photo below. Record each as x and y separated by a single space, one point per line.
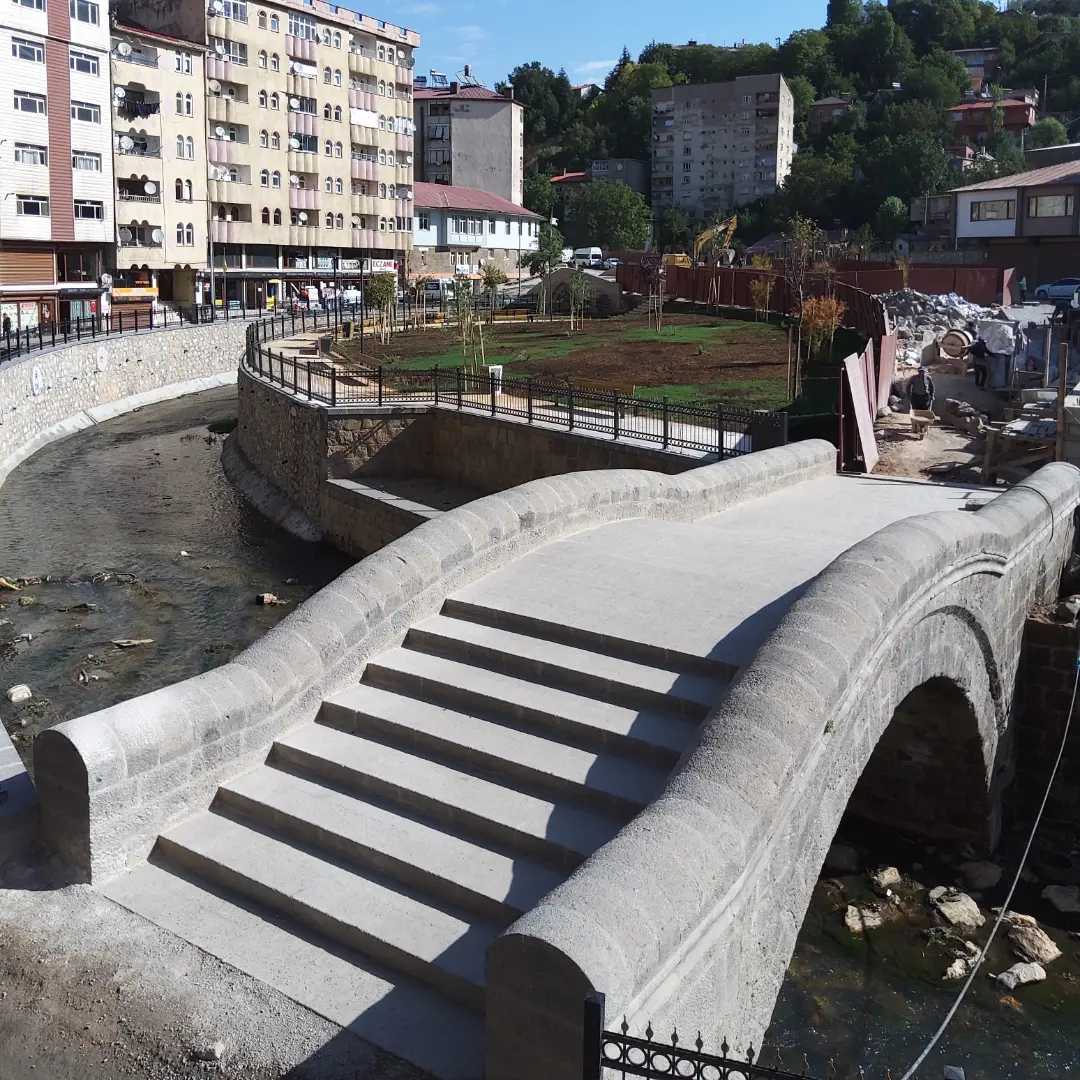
456 197
970 105
570 177
1065 173
474 93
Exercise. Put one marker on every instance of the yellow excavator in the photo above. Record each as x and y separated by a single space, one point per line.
718 238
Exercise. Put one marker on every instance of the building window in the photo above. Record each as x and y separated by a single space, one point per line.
275 23
189 235
86 112
85 161
302 26
32 205
89 210
275 101
262 58
275 62
275 141
28 154
328 148
1043 206
264 137
337 39
264 178
84 11
328 185
329 221
180 234
277 217
339 221
183 63
327 74
34 5
262 20
235 10
86 63
326 35
994 210
31 103
381 52
275 179
262 99
185 105
337 186
339 150
34 51
424 222
180 146
265 215
327 112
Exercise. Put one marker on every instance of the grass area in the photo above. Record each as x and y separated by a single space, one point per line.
696 335
497 350
747 393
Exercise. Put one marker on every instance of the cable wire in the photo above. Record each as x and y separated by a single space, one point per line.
1012 889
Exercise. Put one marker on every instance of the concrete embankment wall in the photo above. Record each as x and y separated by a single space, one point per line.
296 447
45 396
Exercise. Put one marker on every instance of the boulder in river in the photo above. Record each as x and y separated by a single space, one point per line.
957 908
1029 942
19 693
858 919
1021 975
885 878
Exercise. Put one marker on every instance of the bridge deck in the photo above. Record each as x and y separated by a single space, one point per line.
714 588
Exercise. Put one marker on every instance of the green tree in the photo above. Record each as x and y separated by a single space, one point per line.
891 218
492 277
550 104
379 293
539 195
548 253
1049 131
843 12
671 229
610 215
938 78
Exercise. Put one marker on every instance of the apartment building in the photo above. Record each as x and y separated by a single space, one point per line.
470 136
719 146
160 165
460 230
309 136
56 187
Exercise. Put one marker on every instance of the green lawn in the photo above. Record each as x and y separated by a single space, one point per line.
746 393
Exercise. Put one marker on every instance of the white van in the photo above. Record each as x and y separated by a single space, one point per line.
588 256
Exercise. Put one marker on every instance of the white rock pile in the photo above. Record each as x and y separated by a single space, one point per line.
921 318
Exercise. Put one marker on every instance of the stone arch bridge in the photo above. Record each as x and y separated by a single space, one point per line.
591 733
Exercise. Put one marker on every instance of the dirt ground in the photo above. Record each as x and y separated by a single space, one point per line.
693 357
945 455
90 991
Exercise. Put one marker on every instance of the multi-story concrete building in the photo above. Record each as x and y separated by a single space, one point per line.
309 140
470 136
719 146
159 127
459 230
56 188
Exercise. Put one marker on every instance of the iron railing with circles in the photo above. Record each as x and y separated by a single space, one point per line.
724 430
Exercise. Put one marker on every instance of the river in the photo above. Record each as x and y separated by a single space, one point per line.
136 533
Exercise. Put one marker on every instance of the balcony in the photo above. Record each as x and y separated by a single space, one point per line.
136 104
403 143
363 62
221 109
139 55
142 148
365 238
304 235
302 123
139 235
365 205
363 169
302 198
301 161
362 99
135 194
301 48
403 73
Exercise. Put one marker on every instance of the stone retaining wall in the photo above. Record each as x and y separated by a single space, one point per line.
47 395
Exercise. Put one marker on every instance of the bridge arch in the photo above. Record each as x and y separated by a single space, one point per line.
908 643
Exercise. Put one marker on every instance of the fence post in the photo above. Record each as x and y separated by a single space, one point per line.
78 328
529 399
592 1030
40 342
459 381
721 449
436 379
52 329
308 368
615 412
333 385
666 424
491 390
295 376
380 384
570 404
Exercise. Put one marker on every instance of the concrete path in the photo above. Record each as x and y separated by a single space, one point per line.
367 866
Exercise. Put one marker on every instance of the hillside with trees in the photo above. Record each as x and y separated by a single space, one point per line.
892 60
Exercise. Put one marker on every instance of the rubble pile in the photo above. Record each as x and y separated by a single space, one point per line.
921 319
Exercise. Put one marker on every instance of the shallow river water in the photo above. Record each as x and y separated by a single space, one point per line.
104 517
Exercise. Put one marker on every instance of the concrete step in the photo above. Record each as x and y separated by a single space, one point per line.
654 735
496 885
553 831
369 1002
605 644
568 667
503 754
395 929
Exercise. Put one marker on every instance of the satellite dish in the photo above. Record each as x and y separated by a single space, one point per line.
224 174
294 67
214 86
119 93
356 221
219 131
294 144
124 49
211 172
219 48
150 187
301 217
126 142
157 236
294 180
106 280
126 236
218 7
294 103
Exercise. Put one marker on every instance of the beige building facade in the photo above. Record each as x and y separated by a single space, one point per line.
720 146
160 167
309 142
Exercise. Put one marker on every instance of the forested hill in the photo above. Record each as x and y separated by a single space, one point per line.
892 144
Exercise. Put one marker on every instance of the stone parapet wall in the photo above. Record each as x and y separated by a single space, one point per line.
112 781
47 395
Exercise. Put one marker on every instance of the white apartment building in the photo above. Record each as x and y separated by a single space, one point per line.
459 230
470 136
309 140
56 179
719 146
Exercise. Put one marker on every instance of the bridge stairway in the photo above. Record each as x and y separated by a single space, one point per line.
365 868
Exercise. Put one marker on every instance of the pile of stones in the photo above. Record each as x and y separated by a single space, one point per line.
921 319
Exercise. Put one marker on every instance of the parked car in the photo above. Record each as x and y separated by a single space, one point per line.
612 264
1062 289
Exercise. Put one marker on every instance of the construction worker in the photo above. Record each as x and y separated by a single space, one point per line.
980 360
1021 287
921 391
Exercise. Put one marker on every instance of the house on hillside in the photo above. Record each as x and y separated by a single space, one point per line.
826 111
973 121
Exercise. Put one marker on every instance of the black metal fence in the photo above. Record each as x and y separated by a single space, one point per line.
607 1054
724 430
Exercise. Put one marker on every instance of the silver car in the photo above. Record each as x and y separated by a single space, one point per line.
1062 289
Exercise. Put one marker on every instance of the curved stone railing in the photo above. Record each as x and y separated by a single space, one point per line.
110 782
690 914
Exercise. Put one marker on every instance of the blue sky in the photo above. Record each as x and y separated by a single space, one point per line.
584 36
